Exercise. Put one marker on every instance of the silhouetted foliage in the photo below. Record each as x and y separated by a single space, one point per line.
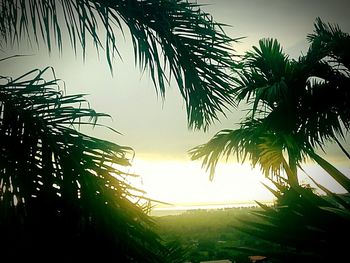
308 227
66 194
296 107
208 234
63 193
171 39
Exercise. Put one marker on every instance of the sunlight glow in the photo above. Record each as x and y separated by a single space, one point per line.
186 183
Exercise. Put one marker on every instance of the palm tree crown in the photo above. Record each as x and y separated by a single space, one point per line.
297 105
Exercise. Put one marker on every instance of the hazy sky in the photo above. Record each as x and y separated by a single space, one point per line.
156 130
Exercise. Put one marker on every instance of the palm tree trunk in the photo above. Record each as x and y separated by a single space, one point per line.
293 168
291 173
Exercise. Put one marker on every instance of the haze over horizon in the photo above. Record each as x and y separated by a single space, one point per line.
158 130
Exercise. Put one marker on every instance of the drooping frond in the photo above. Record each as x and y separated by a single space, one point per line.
169 36
252 141
63 193
326 108
333 43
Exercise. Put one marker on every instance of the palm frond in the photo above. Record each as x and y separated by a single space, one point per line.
171 36
224 144
249 142
265 75
337 175
332 42
327 64
303 226
61 191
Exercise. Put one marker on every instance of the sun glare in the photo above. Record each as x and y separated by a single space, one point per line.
186 183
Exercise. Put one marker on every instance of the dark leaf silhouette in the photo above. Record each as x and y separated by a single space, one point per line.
171 39
302 227
63 193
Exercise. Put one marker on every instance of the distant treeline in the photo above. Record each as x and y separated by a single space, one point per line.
210 234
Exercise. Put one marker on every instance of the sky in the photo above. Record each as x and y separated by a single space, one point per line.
157 130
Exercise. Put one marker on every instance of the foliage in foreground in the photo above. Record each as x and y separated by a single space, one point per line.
63 194
306 226
67 193
172 40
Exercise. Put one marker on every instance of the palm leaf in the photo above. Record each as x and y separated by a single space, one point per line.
65 192
171 36
341 178
225 143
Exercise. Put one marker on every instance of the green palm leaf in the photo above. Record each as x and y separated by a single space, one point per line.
61 191
171 36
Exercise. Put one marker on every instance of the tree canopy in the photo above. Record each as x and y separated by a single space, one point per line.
296 106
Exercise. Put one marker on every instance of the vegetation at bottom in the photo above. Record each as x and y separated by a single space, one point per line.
302 226
65 195
308 227
212 234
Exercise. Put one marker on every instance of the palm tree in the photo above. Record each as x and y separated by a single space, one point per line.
66 194
297 106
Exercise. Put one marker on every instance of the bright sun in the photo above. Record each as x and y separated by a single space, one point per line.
186 183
